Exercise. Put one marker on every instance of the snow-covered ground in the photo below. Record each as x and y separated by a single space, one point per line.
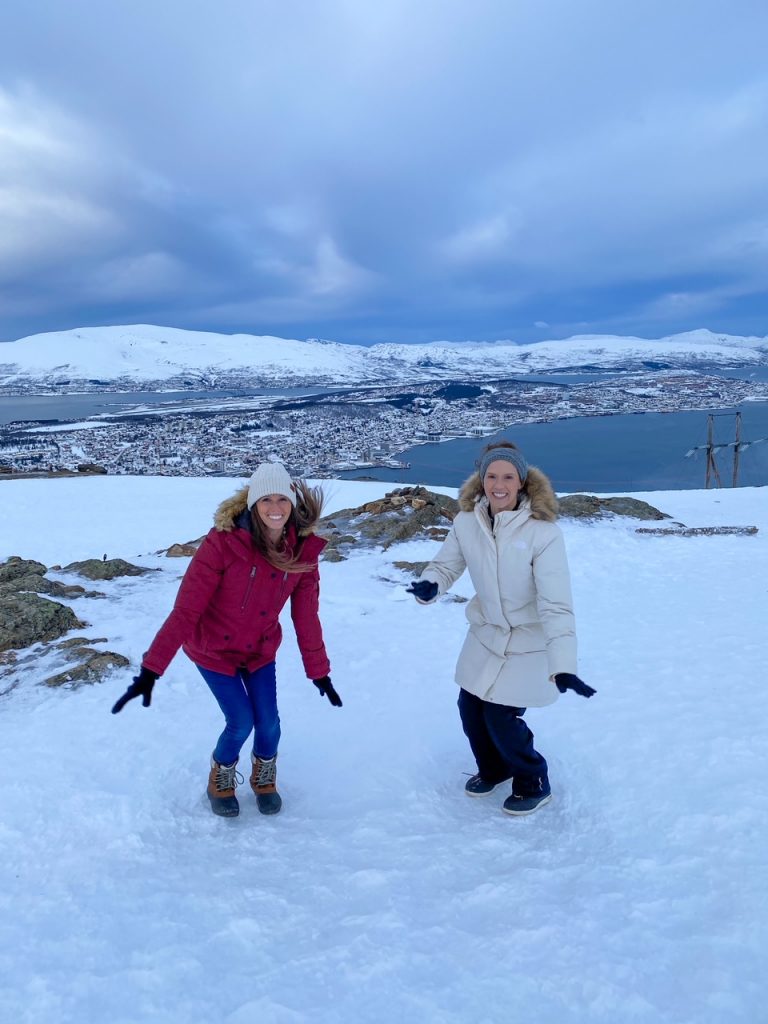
381 892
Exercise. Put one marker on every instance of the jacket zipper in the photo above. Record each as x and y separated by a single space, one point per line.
248 588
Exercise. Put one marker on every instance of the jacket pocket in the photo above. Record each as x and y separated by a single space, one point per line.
526 639
248 588
492 638
270 640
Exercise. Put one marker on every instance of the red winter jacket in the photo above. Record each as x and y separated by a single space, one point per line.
226 612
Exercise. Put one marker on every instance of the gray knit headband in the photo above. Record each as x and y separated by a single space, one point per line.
513 455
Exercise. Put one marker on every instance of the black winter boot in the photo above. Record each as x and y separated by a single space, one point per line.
221 788
530 798
476 785
264 784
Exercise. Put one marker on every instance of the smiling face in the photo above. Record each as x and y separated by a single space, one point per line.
274 510
501 484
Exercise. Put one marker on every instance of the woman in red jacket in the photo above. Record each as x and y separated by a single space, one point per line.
260 552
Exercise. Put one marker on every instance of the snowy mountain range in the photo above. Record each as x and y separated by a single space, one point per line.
166 356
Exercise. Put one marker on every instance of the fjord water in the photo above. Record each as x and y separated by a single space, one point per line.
27 408
635 452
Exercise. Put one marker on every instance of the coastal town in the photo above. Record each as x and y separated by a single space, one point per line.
351 429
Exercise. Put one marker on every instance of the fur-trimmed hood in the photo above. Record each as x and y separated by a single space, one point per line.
231 510
227 612
537 487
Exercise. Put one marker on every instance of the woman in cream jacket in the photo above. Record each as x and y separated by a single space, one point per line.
520 649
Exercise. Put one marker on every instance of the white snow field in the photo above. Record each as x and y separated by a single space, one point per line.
154 353
382 893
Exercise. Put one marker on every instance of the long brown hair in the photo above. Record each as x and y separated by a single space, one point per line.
309 507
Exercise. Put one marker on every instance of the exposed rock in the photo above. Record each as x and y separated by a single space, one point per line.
185 550
26 575
15 567
30 581
414 568
42 585
346 538
91 467
699 531
588 506
99 569
400 515
333 555
95 666
633 508
79 641
57 589
26 618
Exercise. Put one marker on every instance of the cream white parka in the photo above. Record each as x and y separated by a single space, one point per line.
521 626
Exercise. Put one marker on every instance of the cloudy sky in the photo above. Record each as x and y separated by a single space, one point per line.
385 170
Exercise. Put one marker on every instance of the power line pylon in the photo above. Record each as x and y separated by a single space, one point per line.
711 448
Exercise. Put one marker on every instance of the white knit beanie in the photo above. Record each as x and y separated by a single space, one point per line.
270 478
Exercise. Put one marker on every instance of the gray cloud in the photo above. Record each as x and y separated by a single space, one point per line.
393 171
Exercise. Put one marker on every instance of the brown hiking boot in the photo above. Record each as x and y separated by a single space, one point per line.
221 788
264 784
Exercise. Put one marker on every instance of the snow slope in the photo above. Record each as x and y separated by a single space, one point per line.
147 353
381 892
140 352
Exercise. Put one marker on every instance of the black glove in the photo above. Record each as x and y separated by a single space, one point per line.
325 686
140 687
423 590
567 681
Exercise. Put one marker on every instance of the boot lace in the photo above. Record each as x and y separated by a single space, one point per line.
228 777
267 771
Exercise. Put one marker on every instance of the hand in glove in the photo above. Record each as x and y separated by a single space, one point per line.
140 687
325 686
423 590
567 681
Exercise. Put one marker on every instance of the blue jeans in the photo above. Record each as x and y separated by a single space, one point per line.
502 744
248 701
